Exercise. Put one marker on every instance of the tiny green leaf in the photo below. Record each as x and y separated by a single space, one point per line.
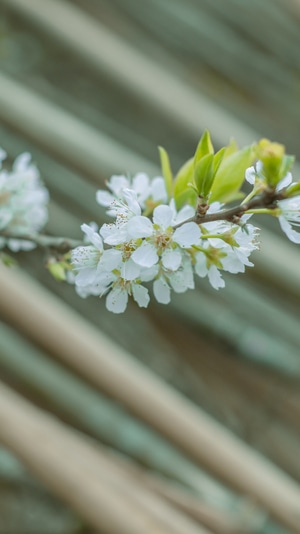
204 147
218 158
231 174
287 163
183 192
204 175
166 170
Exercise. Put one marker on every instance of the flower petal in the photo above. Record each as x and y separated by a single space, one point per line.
158 189
215 278
104 198
139 226
288 230
92 236
162 216
171 259
162 291
116 300
187 235
113 234
145 255
132 202
130 270
140 295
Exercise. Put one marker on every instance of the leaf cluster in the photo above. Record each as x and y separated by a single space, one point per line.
208 176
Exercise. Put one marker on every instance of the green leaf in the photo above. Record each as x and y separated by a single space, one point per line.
230 149
188 196
204 147
287 163
218 158
204 175
231 175
183 192
166 170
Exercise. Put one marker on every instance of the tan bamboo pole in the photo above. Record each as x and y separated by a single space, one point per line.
52 324
216 518
50 126
77 472
108 53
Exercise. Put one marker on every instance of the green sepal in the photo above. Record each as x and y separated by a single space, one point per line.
166 170
7 260
231 174
204 147
204 175
58 269
184 192
293 190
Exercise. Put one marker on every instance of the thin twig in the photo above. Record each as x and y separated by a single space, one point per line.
60 244
266 200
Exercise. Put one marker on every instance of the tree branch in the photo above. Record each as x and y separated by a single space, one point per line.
59 244
268 199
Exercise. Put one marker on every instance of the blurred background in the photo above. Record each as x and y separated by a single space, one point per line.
91 88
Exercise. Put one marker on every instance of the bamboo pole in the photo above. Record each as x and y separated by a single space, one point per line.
50 126
106 52
69 396
51 324
81 476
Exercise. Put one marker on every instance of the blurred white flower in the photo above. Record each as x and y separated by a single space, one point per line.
147 191
23 202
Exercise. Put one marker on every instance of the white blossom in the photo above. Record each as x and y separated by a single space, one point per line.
290 215
23 202
147 191
161 241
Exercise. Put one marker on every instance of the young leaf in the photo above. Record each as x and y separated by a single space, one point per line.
183 192
204 175
187 196
287 163
218 158
166 170
231 175
204 147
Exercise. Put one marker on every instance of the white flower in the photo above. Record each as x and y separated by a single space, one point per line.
124 209
290 215
160 239
85 259
254 174
23 202
180 281
146 190
204 268
117 298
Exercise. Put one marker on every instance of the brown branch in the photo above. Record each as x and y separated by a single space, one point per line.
267 200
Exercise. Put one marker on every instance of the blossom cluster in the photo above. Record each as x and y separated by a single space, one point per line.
166 248
166 231
23 202
288 209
